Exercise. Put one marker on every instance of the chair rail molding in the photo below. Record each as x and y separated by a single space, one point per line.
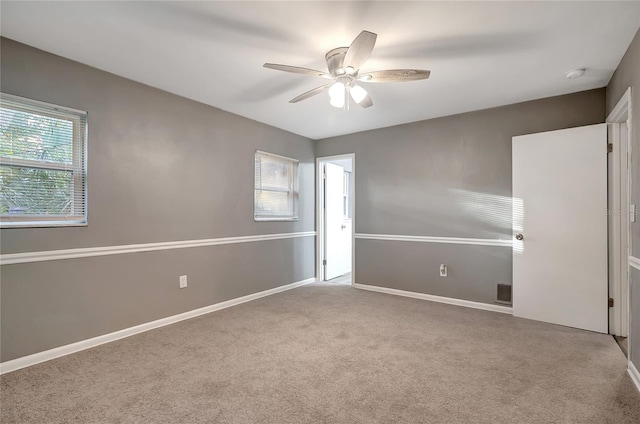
634 262
430 239
85 252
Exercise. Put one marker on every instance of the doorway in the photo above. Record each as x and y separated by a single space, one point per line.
620 213
336 218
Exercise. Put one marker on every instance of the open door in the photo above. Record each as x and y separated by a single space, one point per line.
338 229
560 227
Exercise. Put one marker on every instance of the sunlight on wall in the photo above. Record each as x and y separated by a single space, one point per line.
411 207
505 213
493 209
490 208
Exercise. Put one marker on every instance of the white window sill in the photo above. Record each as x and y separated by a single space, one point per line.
42 224
275 218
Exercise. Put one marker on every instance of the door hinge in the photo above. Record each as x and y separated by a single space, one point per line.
611 302
609 148
324 262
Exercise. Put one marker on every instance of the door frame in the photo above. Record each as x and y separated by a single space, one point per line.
320 218
620 240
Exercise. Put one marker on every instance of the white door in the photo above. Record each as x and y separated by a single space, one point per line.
560 212
337 226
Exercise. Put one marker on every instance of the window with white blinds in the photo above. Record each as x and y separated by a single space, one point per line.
42 164
276 188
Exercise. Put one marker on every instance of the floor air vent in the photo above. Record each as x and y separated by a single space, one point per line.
504 294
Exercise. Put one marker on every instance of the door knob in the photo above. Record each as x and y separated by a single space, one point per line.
343 226
519 237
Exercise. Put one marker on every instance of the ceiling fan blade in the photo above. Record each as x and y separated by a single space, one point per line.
360 50
394 75
310 93
296 70
366 102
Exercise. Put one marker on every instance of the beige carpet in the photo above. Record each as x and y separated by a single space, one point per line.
334 354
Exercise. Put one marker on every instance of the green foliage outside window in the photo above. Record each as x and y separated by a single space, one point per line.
26 188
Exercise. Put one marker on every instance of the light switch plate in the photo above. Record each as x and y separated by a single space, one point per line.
633 213
183 281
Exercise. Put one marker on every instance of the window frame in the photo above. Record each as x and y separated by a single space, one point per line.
293 190
78 167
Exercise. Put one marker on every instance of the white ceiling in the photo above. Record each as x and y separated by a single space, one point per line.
481 54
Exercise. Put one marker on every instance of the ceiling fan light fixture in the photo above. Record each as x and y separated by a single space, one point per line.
364 78
336 95
336 90
337 102
358 93
350 70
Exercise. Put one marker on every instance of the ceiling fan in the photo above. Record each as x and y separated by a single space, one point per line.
344 70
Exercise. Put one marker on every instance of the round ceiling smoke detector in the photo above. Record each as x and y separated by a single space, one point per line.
576 73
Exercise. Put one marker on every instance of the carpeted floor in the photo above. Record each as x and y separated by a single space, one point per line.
334 354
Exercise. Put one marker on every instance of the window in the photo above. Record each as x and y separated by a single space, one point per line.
42 164
276 188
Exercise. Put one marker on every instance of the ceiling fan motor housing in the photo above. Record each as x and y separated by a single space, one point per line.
335 59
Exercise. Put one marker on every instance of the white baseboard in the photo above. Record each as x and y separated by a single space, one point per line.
439 299
36 358
634 374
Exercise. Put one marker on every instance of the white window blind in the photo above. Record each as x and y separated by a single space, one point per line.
276 188
42 163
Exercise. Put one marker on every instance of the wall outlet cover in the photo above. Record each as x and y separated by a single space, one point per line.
443 270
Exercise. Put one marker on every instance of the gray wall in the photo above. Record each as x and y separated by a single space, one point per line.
628 75
160 168
448 177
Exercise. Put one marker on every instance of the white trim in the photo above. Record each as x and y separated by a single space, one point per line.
293 189
19 99
36 358
273 155
634 262
320 214
429 239
77 168
30 222
439 299
621 108
619 236
53 255
634 374
319 220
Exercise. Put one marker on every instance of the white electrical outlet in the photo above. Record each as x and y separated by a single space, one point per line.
183 281
443 270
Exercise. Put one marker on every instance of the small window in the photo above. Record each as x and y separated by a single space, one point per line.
42 164
276 188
